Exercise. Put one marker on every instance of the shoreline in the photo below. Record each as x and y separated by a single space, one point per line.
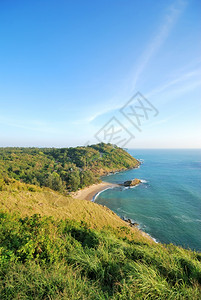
91 192
107 188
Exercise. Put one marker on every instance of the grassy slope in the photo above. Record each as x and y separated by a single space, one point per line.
29 199
101 258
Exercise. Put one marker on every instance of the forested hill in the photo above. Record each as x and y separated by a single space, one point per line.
63 169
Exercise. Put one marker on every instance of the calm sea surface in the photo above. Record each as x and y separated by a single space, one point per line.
167 205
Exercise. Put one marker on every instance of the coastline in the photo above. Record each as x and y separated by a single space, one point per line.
90 193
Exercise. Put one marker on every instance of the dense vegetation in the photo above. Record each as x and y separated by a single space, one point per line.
63 169
42 258
55 247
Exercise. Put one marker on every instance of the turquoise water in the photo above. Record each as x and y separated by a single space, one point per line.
167 205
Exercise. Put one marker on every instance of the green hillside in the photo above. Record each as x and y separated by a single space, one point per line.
55 247
26 200
42 258
64 169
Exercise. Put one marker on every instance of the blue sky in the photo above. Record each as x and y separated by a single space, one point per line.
67 68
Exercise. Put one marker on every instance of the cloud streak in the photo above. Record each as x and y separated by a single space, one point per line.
172 15
170 19
194 75
31 125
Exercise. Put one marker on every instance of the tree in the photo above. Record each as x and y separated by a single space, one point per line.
74 181
54 182
86 178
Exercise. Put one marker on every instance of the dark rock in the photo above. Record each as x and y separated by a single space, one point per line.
132 182
130 222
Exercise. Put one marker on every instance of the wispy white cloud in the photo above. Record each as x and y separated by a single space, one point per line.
173 13
27 125
177 85
190 78
90 118
152 123
191 86
110 106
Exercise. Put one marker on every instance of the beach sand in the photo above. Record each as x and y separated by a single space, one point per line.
88 193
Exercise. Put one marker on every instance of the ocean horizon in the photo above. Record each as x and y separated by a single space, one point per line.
167 204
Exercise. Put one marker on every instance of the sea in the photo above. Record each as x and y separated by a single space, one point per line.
167 204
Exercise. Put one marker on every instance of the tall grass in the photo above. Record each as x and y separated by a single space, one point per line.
44 258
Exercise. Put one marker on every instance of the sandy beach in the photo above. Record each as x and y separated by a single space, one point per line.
88 193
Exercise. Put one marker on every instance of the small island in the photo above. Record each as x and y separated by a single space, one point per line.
130 183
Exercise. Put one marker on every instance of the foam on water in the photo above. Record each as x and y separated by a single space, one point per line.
143 181
97 194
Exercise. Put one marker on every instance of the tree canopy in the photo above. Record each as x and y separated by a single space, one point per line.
63 169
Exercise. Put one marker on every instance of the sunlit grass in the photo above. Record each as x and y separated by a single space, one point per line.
43 258
76 249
